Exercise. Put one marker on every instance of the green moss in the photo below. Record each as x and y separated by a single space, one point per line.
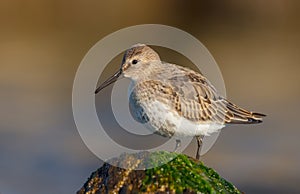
183 174
174 173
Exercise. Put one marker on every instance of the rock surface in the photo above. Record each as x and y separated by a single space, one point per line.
183 174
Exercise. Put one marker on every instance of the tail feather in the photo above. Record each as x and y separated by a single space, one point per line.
258 114
242 116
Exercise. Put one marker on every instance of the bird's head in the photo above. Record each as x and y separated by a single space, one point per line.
135 61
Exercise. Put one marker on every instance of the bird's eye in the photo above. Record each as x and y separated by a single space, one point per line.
134 61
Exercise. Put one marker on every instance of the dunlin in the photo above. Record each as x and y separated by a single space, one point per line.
175 100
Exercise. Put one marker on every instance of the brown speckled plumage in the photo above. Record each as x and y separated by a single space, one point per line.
172 98
186 91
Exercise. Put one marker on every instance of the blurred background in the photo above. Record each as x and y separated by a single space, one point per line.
42 42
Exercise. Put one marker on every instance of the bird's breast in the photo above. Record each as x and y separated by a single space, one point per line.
162 118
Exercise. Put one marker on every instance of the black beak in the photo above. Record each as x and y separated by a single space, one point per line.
109 81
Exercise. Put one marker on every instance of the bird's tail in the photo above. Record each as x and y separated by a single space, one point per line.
238 115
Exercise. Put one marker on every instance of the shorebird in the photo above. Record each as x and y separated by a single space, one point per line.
175 100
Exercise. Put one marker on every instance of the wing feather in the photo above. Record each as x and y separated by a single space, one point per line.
194 97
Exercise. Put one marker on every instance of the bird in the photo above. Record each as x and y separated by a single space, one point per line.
175 100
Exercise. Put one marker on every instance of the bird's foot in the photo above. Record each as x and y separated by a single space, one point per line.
178 145
199 143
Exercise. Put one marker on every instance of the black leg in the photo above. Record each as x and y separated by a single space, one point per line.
178 144
199 142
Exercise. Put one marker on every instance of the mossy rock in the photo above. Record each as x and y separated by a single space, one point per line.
182 174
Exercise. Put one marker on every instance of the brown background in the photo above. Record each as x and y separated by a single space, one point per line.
256 44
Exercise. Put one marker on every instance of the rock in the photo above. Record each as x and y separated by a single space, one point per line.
183 174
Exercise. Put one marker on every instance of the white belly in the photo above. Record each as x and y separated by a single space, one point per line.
164 120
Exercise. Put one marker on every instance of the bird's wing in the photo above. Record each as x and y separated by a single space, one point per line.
195 98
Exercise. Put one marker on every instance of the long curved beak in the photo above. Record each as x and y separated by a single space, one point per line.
109 81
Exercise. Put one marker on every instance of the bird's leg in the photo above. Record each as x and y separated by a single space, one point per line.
199 142
178 144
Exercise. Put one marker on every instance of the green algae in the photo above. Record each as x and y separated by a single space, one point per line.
183 174
173 173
